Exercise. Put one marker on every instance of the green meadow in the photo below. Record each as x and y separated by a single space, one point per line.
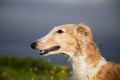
14 68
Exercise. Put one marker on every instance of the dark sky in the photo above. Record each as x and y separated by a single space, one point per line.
23 21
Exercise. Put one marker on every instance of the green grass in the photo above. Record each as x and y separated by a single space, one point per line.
12 68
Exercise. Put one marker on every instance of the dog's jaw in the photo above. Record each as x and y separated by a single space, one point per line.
51 49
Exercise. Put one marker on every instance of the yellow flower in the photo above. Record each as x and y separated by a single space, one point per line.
95 77
52 78
54 67
63 72
52 71
4 74
30 69
35 68
32 78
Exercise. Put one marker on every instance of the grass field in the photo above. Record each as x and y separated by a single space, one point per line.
13 68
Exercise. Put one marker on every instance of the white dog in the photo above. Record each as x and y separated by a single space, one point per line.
75 40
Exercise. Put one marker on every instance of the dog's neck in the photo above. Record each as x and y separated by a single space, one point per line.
83 69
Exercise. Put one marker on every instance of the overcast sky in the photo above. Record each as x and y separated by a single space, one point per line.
23 21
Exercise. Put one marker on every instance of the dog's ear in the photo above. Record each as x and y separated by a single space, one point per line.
83 31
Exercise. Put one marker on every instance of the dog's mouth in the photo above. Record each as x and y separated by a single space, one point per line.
45 51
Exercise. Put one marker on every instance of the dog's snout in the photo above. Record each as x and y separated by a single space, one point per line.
33 45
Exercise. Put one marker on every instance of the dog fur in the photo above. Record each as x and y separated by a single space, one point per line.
76 41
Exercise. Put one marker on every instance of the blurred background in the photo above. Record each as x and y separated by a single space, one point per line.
23 21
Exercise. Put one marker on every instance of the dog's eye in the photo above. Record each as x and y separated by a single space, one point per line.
60 31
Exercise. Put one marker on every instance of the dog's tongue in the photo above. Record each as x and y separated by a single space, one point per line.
53 48
42 52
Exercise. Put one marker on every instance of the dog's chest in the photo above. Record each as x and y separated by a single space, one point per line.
80 69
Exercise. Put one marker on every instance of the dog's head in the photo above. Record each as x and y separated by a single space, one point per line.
67 39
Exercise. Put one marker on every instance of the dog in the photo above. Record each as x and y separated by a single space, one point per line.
76 41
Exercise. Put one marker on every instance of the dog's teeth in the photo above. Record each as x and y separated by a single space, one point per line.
41 51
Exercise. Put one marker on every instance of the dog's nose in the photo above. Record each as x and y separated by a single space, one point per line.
33 45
